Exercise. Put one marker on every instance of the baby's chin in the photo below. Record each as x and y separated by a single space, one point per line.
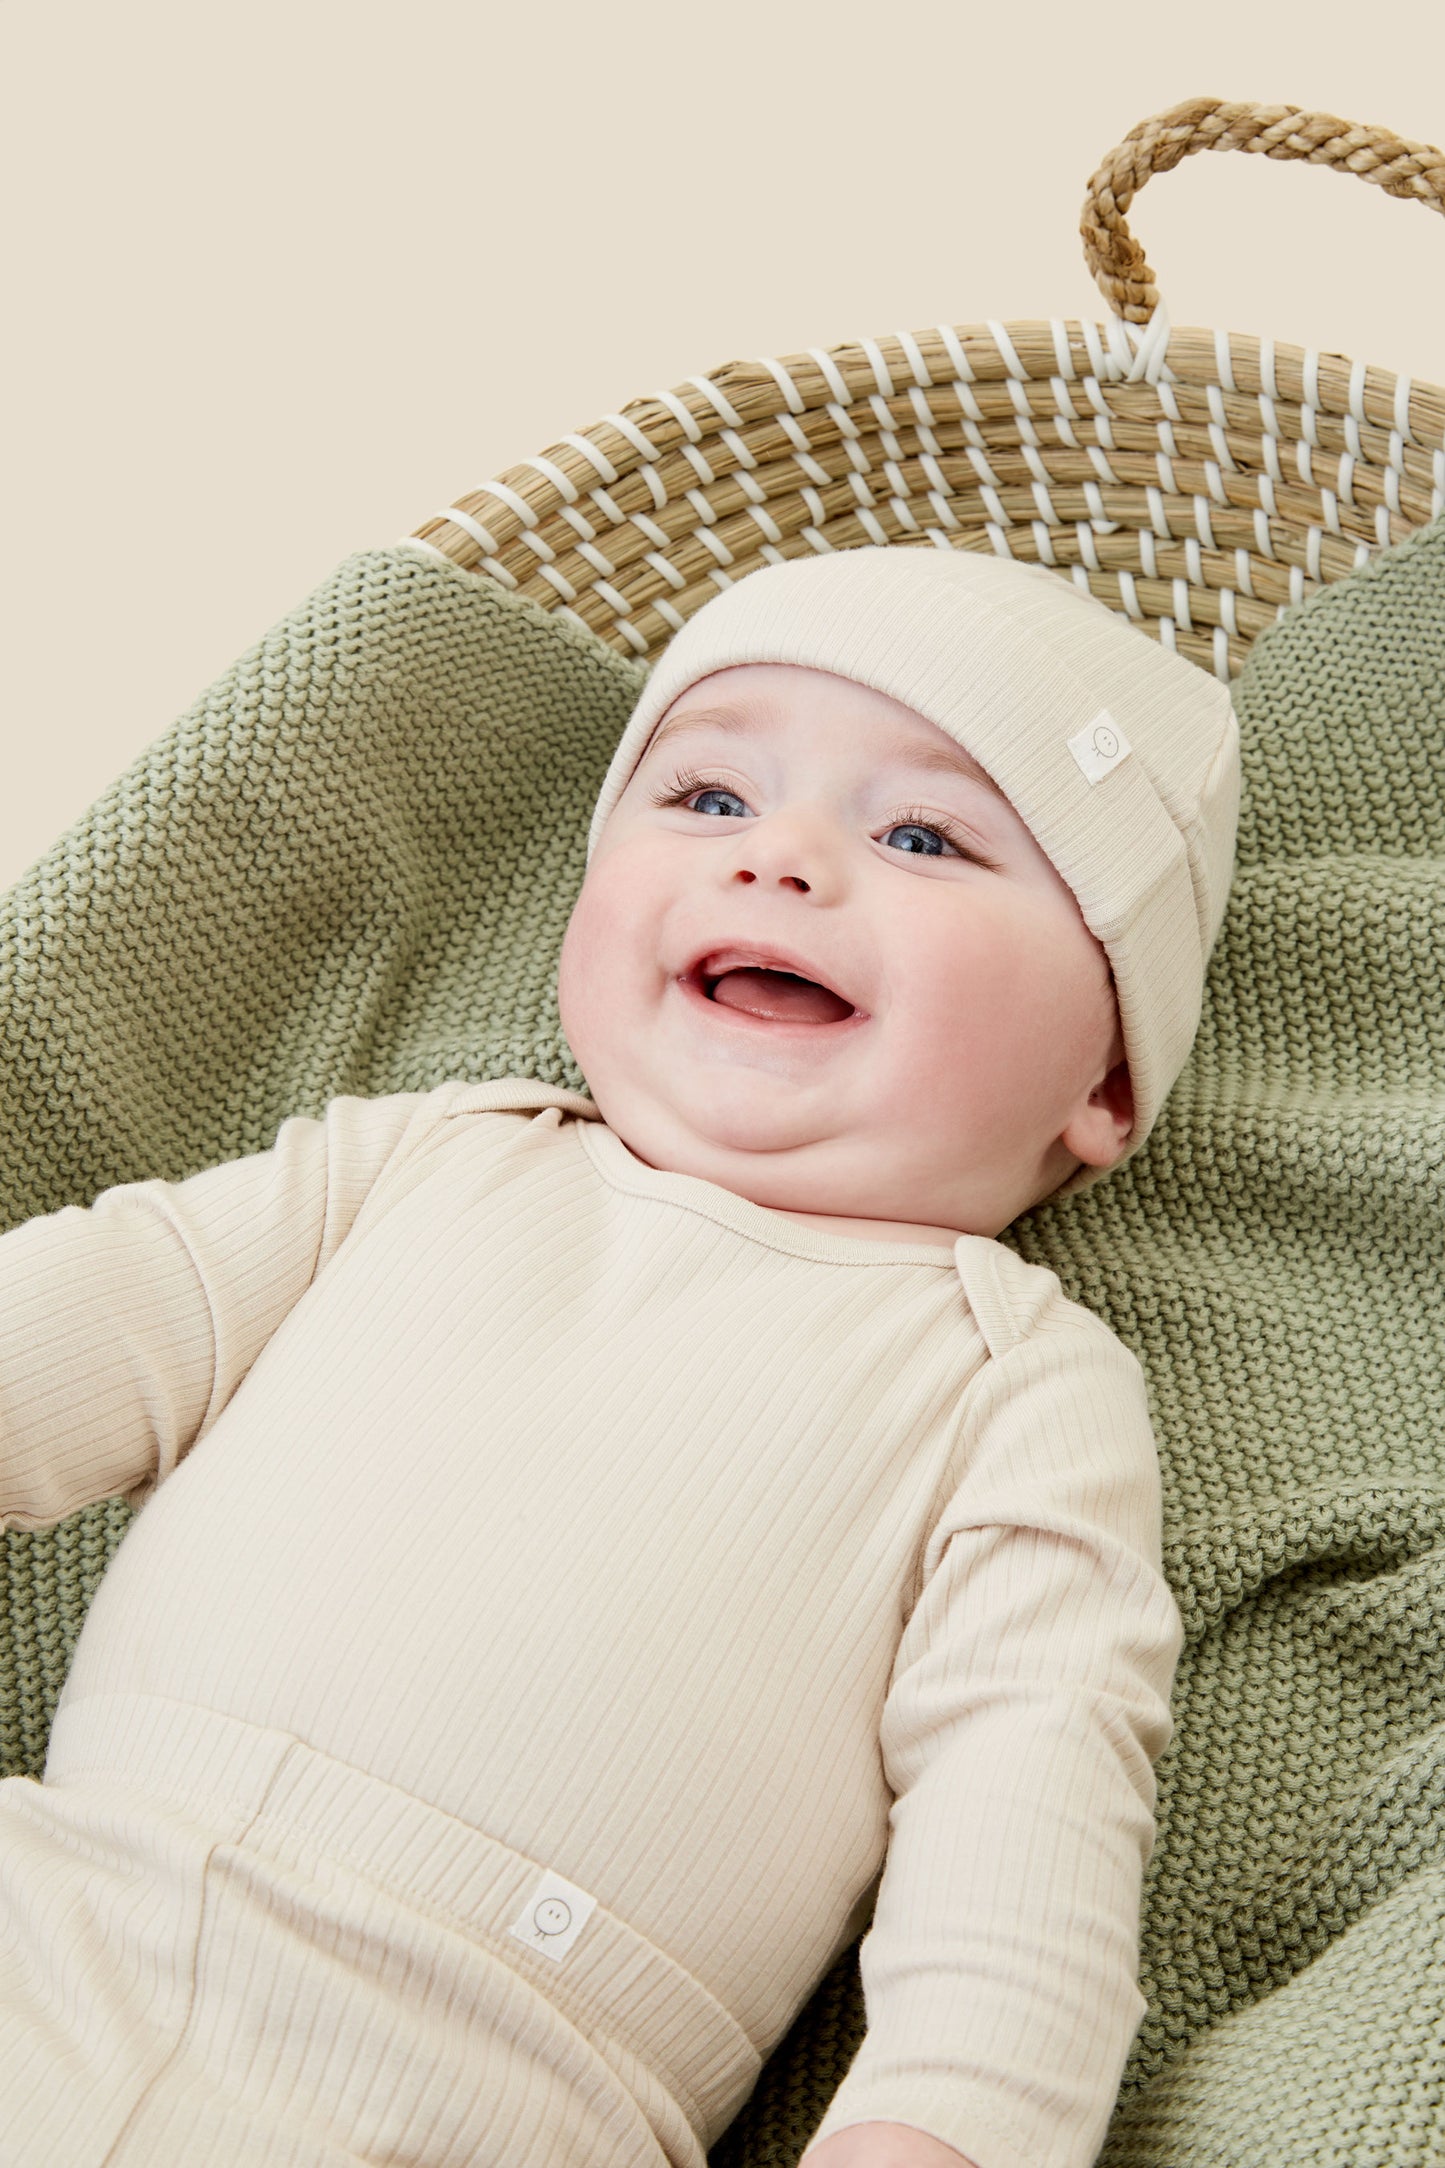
779 1157
707 1140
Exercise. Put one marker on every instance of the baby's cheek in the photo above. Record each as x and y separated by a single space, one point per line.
577 972
598 954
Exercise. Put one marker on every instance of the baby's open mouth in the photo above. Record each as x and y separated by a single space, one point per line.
778 995
768 991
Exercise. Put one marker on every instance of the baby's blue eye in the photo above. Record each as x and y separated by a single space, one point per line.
701 808
934 848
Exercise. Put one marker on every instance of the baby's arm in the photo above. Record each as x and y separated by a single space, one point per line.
883 2145
1027 1706
127 1325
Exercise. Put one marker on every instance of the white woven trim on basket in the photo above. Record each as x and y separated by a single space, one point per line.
1140 352
1118 352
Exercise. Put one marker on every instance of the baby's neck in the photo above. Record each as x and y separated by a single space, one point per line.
874 1230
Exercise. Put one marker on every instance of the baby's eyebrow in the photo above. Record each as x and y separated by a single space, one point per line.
733 719
930 759
944 760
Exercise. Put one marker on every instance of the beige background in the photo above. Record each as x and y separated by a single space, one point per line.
286 278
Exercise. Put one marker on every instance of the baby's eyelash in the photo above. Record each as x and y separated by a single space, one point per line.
919 816
687 782
683 784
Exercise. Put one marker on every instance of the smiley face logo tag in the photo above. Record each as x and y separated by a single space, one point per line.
553 1916
1099 746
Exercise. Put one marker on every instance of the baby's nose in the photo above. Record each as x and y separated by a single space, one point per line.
796 848
786 880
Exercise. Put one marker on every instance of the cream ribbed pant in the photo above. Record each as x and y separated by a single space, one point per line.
219 1946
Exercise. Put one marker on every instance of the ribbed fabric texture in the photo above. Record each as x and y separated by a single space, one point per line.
339 1995
347 870
682 1549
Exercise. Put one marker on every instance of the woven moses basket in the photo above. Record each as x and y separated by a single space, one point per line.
1198 481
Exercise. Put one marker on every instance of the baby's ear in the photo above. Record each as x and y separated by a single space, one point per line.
1099 1132
1116 1092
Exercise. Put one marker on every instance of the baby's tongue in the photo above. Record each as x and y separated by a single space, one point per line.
779 996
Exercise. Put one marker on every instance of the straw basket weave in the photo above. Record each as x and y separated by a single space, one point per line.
1198 481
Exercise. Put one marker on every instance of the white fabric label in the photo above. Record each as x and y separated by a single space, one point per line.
553 1917
1100 746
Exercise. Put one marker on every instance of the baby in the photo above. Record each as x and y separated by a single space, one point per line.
606 1550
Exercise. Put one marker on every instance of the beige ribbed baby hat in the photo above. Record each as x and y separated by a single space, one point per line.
1121 756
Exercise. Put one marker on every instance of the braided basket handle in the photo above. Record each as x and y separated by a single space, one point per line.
1391 162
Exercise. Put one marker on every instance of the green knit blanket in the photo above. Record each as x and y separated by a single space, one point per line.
348 869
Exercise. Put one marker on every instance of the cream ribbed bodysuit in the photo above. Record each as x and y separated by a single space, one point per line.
562 1588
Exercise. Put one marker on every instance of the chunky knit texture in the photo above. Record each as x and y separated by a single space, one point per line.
348 869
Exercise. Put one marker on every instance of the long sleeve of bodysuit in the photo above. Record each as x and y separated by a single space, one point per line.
1027 1705
127 1325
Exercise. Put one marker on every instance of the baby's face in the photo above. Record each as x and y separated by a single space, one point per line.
787 820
